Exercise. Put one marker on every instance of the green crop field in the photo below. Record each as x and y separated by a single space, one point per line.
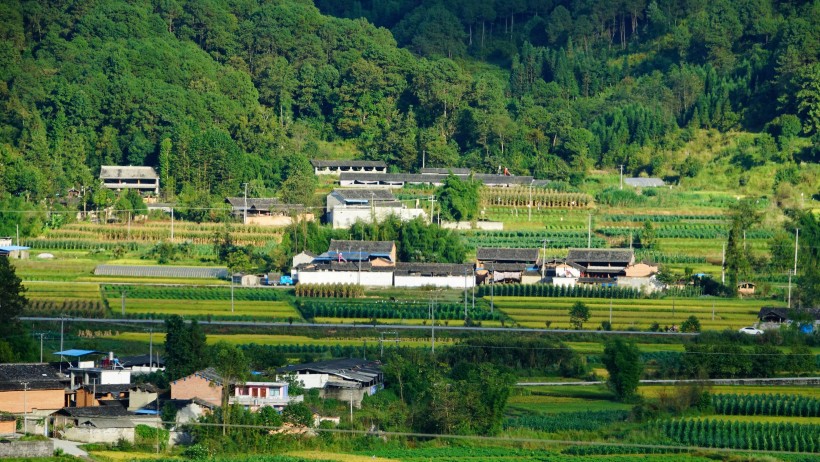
631 313
271 310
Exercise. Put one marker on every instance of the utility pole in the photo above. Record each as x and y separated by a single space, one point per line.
150 349
172 224
474 282
610 311
589 231
423 156
25 406
796 240
41 346
432 326
492 288
465 293
62 319
18 234
529 218
122 304
245 209
359 274
723 265
790 290
129 224
544 262
622 176
232 293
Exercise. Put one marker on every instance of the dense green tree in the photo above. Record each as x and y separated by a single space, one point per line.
458 198
622 360
15 344
232 365
578 315
185 348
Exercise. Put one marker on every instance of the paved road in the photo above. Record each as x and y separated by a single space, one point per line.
356 326
71 448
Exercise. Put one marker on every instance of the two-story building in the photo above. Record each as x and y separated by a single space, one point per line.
500 265
267 211
346 379
207 385
141 179
347 206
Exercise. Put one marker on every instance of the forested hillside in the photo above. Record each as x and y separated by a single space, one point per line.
220 92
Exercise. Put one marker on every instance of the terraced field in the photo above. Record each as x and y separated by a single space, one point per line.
274 340
638 313
268 310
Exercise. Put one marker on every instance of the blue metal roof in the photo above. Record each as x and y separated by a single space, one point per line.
146 412
11 248
74 352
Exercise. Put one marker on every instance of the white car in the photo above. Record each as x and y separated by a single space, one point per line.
751 331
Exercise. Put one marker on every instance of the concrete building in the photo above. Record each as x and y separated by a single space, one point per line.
106 371
337 167
347 206
142 179
100 424
343 379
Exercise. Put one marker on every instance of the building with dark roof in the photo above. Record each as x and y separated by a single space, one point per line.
31 388
503 265
346 379
336 167
142 179
778 315
451 275
600 266
366 263
446 171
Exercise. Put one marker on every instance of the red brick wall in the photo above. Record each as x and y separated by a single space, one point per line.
12 401
197 387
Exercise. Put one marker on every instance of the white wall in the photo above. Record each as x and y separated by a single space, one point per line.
115 377
98 435
453 282
569 282
365 278
344 217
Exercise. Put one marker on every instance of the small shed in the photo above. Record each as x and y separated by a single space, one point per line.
17 252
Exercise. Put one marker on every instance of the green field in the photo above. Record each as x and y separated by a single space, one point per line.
632 313
270 310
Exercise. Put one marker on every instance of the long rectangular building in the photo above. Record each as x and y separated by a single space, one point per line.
398 180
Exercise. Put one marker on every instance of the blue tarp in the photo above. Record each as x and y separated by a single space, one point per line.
75 352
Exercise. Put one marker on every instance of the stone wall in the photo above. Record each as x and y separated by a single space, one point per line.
26 449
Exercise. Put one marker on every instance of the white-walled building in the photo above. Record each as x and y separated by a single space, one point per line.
347 206
454 276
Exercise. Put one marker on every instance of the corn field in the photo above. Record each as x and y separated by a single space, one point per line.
329 290
767 404
492 198
759 436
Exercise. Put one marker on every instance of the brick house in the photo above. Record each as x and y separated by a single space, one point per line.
31 388
207 386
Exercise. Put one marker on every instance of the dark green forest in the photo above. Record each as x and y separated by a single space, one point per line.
214 93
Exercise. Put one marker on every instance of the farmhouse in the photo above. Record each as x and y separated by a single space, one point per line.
346 206
454 276
778 315
745 288
336 167
141 179
501 265
207 385
446 171
106 371
343 379
31 388
100 424
600 266
267 211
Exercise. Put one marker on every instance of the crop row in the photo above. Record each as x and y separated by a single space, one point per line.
450 311
549 290
767 404
706 232
329 290
534 242
564 421
757 436
77 308
662 218
77 244
191 293
538 197
663 257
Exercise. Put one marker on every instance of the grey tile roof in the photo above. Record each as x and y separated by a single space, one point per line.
486 254
112 410
354 369
204 272
318 163
40 376
372 247
113 172
787 313
261 204
620 256
365 194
